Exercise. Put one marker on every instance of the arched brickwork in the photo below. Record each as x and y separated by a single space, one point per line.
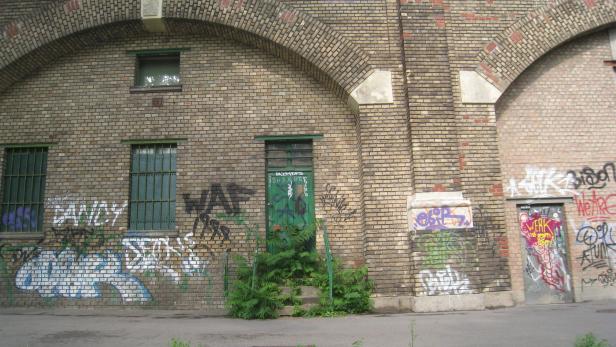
30 43
505 57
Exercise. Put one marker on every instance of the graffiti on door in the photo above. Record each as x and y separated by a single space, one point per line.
291 200
544 243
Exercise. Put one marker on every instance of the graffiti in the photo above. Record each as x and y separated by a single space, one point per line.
483 225
290 200
333 199
590 179
605 279
596 207
81 238
214 225
444 246
23 218
439 218
145 254
65 275
544 240
447 281
599 244
95 214
541 182
217 198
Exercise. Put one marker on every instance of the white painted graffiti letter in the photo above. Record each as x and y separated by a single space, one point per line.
448 281
67 275
541 182
92 214
156 254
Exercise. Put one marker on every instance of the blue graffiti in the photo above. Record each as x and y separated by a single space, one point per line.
68 275
439 218
20 219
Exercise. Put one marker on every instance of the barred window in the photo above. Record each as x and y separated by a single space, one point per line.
152 187
23 188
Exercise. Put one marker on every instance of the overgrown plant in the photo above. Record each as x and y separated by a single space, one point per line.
252 297
291 261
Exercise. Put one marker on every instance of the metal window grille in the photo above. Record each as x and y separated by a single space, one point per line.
289 155
152 187
23 189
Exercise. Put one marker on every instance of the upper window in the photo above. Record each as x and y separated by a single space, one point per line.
23 188
152 187
289 155
158 70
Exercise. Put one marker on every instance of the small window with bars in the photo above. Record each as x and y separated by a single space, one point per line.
23 189
152 187
289 155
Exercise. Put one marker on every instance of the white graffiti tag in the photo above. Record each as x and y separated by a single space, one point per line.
94 214
447 281
541 182
67 275
156 254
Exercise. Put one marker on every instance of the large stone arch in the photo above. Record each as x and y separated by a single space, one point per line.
511 52
63 27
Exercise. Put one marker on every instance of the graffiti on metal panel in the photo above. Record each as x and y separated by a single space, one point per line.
599 244
440 218
545 242
588 178
541 182
288 192
144 254
66 275
596 207
447 281
333 199
22 218
441 247
211 199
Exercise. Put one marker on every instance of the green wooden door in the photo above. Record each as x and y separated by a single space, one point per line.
290 188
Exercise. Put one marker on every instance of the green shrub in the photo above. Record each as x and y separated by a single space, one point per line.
251 298
292 261
590 340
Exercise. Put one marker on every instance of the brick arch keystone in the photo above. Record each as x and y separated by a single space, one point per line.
63 27
508 54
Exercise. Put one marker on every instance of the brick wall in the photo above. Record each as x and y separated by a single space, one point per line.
427 140
558 118
82 105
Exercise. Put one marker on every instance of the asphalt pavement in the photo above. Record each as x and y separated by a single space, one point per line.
542 325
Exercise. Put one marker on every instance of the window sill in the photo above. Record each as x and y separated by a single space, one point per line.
152 233
21 236
160 89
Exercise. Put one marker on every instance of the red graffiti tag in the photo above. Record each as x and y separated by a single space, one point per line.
596 207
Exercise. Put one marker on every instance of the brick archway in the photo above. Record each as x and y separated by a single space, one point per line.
507 55
63 27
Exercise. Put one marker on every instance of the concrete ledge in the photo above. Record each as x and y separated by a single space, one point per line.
152 15
375 89
441 303
498 300
477 90
392 304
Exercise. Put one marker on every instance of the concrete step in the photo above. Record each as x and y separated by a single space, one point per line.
309 297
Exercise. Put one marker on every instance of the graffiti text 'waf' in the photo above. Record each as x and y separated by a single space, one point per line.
212 198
